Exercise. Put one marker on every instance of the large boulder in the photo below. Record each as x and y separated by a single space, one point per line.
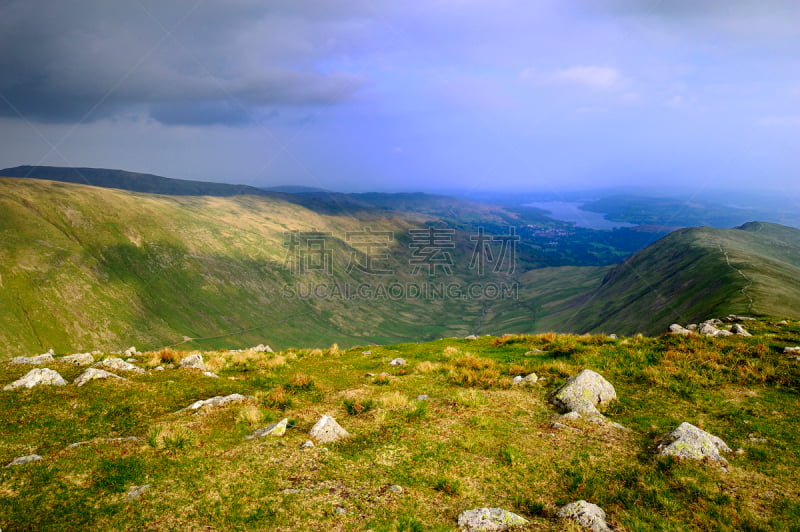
327 430
78 359
585 393
486 519
37 377
679 329
585 514
194 361
707 328
119 365
36 361
739 330
692 443
262 348
92 374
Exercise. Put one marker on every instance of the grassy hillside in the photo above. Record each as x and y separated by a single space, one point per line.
85 268
691 274
412 464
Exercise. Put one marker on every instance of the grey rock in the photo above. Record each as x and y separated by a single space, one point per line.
131 351
24 460
690 442
790 350
78 359
488 519
262 348
212 375
394 488
36 361
692 327
37 377
340 511
92 374
612 336
570 416
308 444
119 365
369 375
585 514
738 329
584 393
276 429
398 362
423 397
219 400
194 361
366 352
136 491
535 352
517 379
327 430
471 337
756 439
678 329
526 379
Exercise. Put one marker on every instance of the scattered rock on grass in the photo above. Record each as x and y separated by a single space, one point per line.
739 330
690 442
328 430
118 364
136 491
37 377
526 379
92 374
707 329
131 351
276 429
194 361
24 460
218 400
790 350
679 329
398 362
485 519
584 393
78 359
585 514
308 444
262 348
36 361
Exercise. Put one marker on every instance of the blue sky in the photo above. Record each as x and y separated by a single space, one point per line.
529 95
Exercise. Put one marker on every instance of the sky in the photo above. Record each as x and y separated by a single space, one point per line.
432 95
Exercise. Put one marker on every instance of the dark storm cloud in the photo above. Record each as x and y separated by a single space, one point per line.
180 62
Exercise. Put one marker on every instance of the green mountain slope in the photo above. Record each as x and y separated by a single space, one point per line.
85 268
693 274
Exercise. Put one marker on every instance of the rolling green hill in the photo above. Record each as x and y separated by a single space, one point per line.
85 268
694 274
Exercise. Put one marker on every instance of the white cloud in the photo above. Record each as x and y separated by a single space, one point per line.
596 77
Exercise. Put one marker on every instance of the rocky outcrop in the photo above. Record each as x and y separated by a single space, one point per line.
219 400
119 365
37 377
486 519
36 361
262 348
78 359
585 514
92 374
585 393
692 443
679 329
327 430
24 460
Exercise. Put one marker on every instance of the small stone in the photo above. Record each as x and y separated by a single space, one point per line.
131 351
678 329
276 429
24 460
571 415
37 377
423 397
212 375
136 491
394 488
398 362
340 511
488 519
327 430
158 368
585 514
739 330
535 352
308 444
739 451
757 439
612 336
471 337
517 379
369 375
78 359
366 352
92 374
